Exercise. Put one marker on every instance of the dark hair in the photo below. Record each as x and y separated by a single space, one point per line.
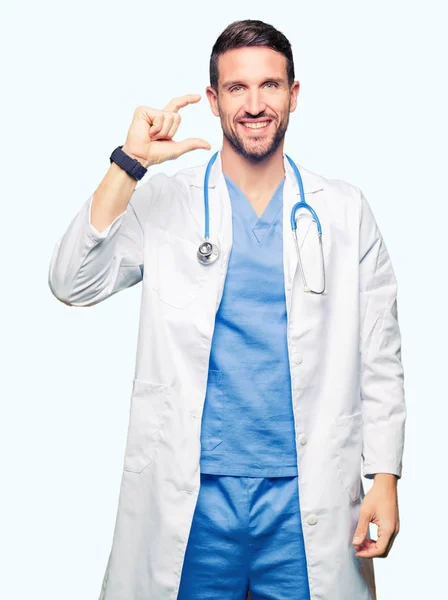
249 32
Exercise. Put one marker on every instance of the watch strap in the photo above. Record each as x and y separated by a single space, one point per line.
131 165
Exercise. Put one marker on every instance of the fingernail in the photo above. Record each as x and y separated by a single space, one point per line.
356 540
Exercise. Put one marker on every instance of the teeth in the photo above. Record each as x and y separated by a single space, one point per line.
256 125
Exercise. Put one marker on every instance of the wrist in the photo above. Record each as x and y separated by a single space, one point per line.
141 160
385 478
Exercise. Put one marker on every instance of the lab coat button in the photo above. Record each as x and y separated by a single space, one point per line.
302 439
311 519
297 359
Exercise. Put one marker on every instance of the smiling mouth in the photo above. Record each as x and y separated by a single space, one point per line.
260 125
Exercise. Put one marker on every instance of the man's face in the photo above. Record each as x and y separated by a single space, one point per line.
253 100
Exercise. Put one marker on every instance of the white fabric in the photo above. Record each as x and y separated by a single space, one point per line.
347 389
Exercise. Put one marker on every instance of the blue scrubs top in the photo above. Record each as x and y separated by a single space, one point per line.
247 421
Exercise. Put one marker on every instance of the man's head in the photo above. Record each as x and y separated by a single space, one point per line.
252 81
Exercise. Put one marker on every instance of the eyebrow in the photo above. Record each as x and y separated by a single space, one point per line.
279 80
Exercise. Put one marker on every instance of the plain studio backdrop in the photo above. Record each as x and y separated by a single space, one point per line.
371 111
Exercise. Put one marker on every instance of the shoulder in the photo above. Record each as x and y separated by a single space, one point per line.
342 199
339 188
177 181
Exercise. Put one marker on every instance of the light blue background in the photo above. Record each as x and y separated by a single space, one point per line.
371 110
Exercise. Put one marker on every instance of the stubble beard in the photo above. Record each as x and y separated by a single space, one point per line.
262 153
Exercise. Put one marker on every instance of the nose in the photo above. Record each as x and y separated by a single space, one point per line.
254 102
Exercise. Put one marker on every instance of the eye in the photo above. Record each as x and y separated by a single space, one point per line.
234 87
271 83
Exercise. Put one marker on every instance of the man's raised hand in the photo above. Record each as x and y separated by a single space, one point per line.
149 138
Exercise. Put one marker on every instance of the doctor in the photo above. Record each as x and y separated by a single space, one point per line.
255 402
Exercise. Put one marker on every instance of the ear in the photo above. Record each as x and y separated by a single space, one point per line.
213 99
294 93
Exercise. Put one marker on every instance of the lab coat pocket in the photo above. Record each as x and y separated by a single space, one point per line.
211 428
148 402
179 275
349 443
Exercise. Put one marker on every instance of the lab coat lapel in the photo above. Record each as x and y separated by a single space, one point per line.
306 230
220 197
220 210
220 214
306 312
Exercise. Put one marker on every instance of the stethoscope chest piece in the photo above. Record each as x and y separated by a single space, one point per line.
207 252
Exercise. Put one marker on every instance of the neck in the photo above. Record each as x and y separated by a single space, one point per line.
252 178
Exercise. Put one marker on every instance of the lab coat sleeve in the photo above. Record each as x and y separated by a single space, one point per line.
381 369
88 266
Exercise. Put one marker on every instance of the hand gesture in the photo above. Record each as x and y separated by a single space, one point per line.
149 138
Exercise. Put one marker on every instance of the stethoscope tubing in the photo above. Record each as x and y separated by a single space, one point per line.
208 252
206 204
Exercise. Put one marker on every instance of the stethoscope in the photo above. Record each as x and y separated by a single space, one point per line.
208 252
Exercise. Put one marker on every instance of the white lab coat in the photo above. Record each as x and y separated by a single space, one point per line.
345 365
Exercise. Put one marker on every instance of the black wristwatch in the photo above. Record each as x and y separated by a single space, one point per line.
129 164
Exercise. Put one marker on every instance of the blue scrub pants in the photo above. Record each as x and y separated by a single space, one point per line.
246 534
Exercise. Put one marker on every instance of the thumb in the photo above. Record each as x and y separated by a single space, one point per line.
191 144
361 530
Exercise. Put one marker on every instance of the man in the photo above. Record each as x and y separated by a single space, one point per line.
254 400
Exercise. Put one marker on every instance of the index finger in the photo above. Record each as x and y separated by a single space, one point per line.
182 101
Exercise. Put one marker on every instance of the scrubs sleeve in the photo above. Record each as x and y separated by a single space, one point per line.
87 266
381 369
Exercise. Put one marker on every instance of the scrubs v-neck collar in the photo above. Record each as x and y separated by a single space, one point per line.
242 207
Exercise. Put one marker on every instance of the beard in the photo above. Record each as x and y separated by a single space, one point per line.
258 154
